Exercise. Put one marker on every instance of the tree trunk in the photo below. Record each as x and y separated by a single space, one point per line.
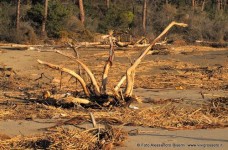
224 5
43 29
108 3
219 5
203 5
18 15
144 16
193 4
82 13
108 64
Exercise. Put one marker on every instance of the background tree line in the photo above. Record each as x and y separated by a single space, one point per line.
24 21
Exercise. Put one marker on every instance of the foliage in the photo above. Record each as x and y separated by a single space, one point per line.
116 19
209 23
57 15
5 20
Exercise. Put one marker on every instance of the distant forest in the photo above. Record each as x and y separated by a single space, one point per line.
32 21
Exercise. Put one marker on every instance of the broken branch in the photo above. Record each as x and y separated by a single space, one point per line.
72 73
89 72
130 72
108 64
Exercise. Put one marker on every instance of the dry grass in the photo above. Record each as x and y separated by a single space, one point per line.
63 138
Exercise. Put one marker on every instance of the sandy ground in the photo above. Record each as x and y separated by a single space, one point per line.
150 138
216 139
189 73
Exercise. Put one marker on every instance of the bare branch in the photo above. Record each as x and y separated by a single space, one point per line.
76 100
74 49
120 83
89 72
72 73
93 120
140 40
131 71
108 64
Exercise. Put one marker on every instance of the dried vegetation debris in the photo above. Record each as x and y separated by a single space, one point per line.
100 138
168 114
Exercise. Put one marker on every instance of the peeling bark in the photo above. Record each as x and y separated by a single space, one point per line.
107 66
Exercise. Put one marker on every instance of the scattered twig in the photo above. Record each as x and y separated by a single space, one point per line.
93 120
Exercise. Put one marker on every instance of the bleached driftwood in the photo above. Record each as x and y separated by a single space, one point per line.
72 73
76 100
121 44
130 73
89 72
129 76
107 66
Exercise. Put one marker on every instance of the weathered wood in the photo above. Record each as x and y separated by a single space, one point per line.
121 44
76 100
107 65
119 84
89 72
72 73
93 120
212 44
140 40
131 71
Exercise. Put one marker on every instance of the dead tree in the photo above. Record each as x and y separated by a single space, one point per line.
130 74
100 91
108 64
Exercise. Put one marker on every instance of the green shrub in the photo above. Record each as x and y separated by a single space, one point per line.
57 15
6 23
116 19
